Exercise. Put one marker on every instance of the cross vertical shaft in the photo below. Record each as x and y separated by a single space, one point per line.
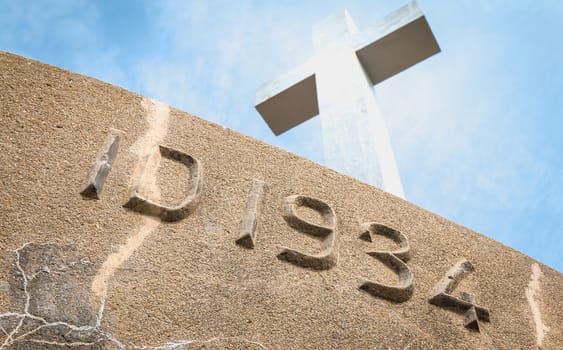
337 84
355 136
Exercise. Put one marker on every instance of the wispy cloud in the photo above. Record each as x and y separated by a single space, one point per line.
218 50
66 33
464 127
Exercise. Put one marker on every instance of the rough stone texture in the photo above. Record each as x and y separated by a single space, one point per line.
91 273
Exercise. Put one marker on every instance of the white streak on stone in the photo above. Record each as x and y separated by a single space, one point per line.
114 261
157 116
531 292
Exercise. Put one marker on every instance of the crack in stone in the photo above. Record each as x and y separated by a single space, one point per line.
3 330
16 335
181 344
47 342
13 336
10 336
214 339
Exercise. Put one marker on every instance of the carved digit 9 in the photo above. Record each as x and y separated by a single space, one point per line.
394 260
326 259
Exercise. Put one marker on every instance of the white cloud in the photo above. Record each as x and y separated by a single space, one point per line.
33 20
211 59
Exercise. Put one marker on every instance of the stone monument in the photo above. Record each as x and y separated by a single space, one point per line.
127 224
336 83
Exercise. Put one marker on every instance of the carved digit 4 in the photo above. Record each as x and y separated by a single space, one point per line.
146 206
395 260
441 296
102 166
326 259
247 236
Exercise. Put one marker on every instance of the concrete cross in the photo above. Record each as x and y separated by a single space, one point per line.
337 84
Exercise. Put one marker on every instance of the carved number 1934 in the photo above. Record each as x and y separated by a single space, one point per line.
396 260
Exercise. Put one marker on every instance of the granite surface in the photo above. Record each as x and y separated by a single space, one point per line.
127 224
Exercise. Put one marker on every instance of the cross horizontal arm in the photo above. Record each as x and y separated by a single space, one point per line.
288 100
399 41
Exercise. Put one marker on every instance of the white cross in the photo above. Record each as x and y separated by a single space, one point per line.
337 84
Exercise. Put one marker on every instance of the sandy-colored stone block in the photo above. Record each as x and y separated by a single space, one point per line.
160 259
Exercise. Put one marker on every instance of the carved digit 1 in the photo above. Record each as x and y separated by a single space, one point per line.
247 236
138 202
326 259
441 296
102 166
394 260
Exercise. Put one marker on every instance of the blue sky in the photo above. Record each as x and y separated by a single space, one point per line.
477 130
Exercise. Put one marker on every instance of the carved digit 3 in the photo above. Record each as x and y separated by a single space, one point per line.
138 202
326 259
395 260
